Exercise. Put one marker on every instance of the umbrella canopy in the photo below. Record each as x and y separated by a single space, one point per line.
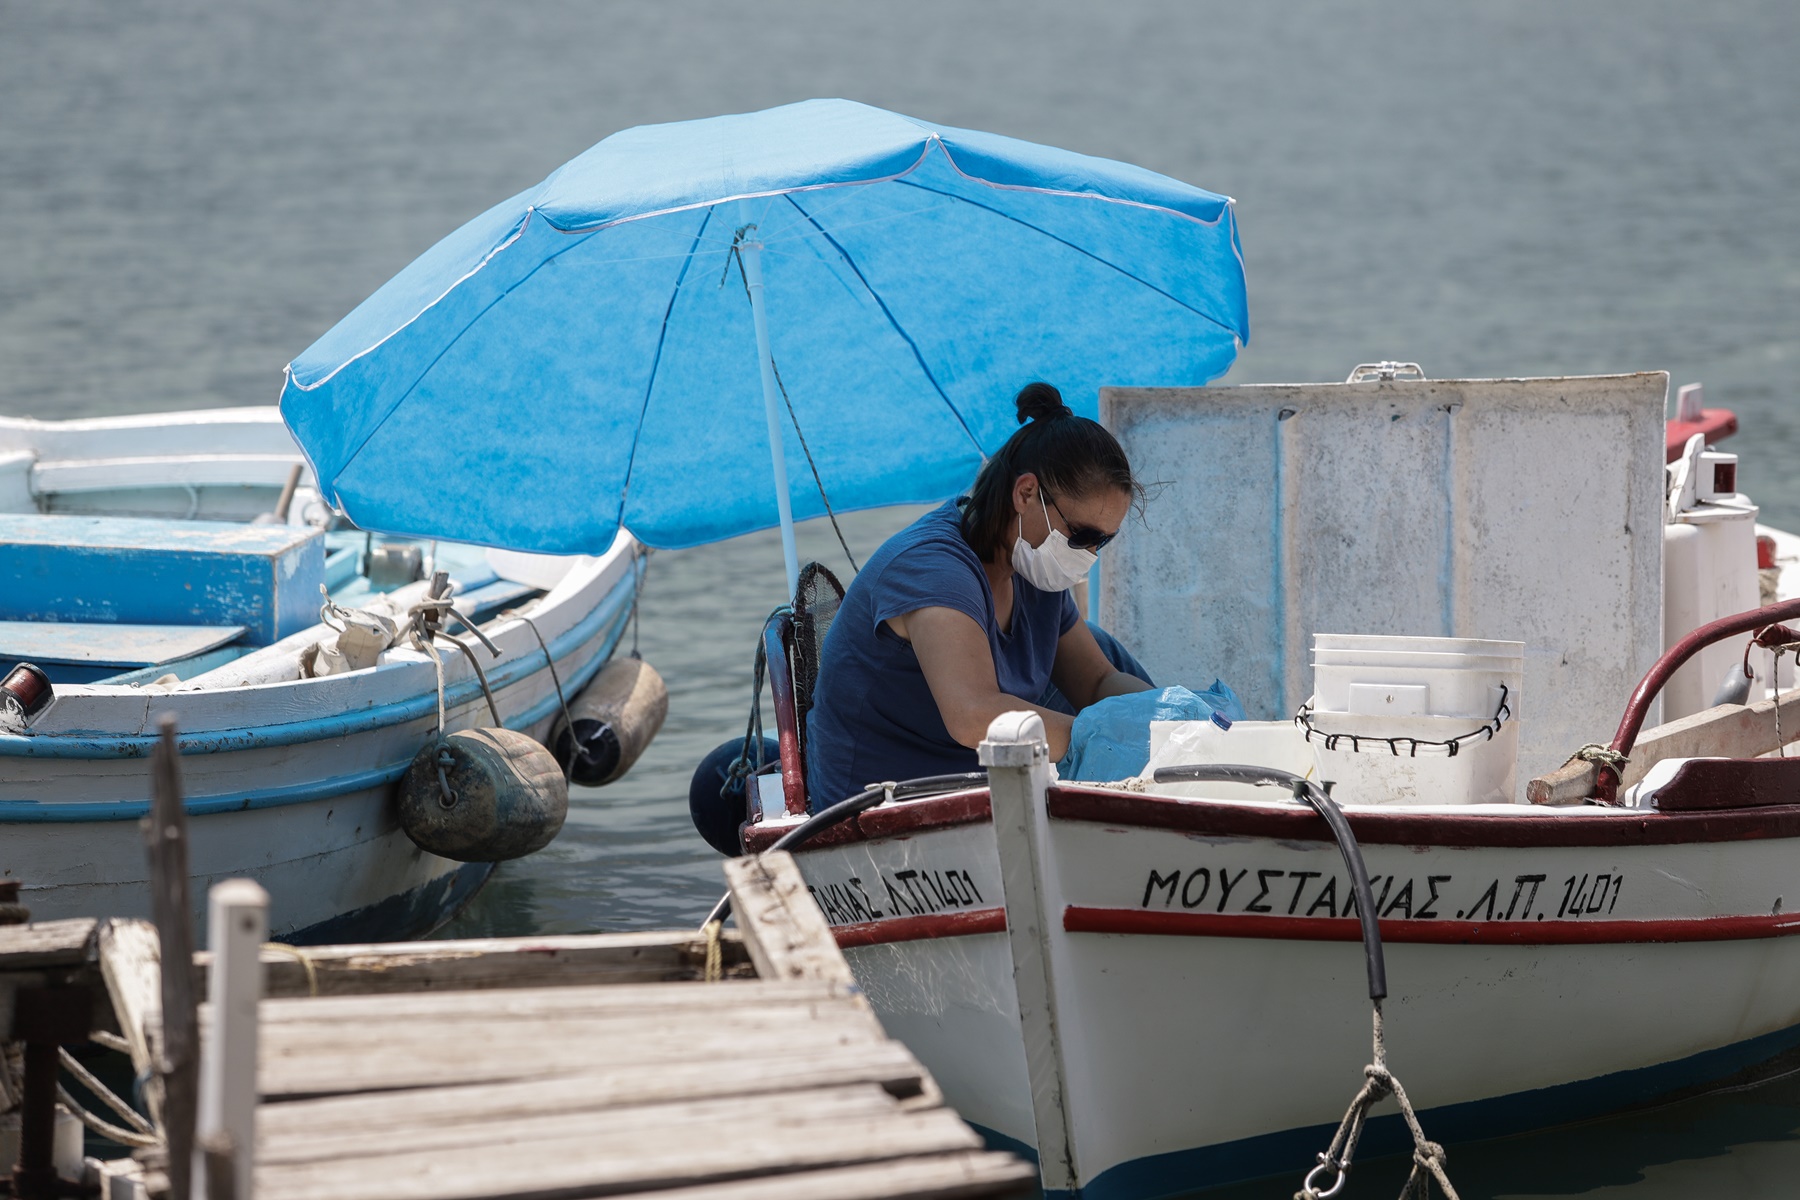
583 356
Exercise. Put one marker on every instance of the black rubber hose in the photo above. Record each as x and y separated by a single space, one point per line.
842 811
1325 806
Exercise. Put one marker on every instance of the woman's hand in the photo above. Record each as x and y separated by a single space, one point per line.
958 665
1084 674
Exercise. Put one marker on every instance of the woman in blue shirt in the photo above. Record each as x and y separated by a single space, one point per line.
966 613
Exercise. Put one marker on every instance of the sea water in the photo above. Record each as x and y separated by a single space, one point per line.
192 192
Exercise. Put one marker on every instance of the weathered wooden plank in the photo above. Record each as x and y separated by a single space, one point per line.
477 963
658 1120
332 1069
131 965
47 944
592 1088
655 1147
959 1176
499 1010
1728 731
785 932
540 1001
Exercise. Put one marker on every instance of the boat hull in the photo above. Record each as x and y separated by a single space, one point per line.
1207 981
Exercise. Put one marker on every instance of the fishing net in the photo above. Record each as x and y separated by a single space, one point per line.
816 602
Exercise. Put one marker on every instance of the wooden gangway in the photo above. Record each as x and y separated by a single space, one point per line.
742 1066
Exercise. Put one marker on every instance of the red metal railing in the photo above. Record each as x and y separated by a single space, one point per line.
1673 659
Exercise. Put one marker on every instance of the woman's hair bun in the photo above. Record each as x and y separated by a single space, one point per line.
1039 401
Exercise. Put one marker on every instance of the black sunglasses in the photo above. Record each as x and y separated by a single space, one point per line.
1081 537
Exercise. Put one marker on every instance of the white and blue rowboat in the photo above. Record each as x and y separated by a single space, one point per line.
1156 986
133 571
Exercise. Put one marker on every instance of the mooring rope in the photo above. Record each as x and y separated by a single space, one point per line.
715 953
305 960
1378 1083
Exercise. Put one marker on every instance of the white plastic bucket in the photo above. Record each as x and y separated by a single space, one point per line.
1371 642
1385 709
1416 677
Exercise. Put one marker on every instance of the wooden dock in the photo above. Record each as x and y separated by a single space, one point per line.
600 1065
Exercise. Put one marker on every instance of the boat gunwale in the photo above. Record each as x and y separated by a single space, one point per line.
89 744
1292 821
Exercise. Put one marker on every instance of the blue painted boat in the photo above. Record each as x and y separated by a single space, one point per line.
138 575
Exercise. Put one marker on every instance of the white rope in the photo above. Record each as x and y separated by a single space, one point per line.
1378 1083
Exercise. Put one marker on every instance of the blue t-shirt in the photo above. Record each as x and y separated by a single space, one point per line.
873 716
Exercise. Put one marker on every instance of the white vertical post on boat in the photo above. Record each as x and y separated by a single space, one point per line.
751 253
1017 757
237 924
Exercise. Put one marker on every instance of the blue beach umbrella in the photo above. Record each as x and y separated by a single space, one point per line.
642 338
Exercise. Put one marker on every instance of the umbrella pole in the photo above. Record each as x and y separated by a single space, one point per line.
751 253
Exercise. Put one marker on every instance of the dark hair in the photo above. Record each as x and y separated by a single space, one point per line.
1070 455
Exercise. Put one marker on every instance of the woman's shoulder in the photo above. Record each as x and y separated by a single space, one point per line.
926 563
936 537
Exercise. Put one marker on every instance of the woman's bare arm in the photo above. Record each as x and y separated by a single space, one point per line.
959 668
1084 674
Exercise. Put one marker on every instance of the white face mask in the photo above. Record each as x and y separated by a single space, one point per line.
1054 566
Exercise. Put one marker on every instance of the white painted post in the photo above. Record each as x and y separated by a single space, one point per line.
1017 757
237 924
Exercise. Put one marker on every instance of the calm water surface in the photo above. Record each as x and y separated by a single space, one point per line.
190 193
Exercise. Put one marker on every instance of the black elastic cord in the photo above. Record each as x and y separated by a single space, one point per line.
1325 806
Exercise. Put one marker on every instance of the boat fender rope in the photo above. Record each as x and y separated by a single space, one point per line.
1379 1082
750 759
561 699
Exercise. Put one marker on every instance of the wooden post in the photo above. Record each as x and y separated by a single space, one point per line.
1017 757
237 924
165 835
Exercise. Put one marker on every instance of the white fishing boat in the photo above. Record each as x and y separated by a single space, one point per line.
1156 984
171 566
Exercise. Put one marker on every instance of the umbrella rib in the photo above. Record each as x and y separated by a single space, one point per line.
918 356
1205 316
662 336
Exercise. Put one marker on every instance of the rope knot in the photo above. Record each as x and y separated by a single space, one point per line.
1600 755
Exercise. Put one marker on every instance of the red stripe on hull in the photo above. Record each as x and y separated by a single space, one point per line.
1078 919
919 929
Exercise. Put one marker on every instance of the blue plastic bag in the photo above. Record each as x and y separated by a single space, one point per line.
1111 739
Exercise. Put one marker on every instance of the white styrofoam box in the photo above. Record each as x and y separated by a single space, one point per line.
1473 508
1278 744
